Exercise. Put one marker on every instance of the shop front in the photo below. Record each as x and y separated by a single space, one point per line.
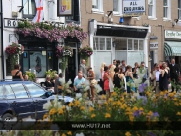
120 42
172 45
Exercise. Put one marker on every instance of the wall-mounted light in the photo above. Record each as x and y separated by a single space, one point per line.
174 22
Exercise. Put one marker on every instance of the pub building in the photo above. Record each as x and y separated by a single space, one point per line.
39 53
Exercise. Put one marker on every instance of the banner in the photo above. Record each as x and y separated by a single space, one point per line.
65 8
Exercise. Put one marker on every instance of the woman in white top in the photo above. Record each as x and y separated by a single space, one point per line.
101 76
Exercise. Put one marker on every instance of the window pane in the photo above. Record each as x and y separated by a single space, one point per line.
150 8
179 14
2 92
121 44
33 6
150 1
140 44
115 5
165 3
179 3
19 90
25 62
25 9
130 44
135 44
95 4
165 12
95 40
102 44
34 90
108 43
9 92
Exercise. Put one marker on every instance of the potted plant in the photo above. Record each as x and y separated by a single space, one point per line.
85 52
14 50
64 52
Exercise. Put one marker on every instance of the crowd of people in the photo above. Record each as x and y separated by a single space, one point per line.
116 75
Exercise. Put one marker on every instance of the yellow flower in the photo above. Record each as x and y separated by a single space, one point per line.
174 99
60 111
118 103
128 113
124 93
135 108
110 100
131 118
122 99
161 93
141 109
82 108
114 94
64 134
114 103
176 103
128 109
148 93
106 103
107 115
93 115
178 113
91 109
52 111
170 94
103 97
71 104
63 107
150 113
69 133
174 92
45 116
76 103
127 133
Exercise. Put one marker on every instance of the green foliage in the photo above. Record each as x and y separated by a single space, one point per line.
51 73
31 76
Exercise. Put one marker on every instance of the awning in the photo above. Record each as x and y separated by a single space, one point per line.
172 49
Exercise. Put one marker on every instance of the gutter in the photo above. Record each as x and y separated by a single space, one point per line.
2 49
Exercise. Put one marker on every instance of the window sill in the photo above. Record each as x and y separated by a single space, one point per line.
166 19
97 11
152 18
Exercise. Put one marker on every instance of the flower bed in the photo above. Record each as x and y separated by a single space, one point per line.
50 31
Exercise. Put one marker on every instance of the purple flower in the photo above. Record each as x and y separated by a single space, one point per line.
142 87
151 134
136 113
155 114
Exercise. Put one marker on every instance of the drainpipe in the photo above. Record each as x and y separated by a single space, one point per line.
2 49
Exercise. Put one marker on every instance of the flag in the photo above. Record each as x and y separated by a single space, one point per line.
39 11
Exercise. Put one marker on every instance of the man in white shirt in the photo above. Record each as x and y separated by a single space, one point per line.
155 77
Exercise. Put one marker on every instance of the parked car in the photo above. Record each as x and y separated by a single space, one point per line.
22 99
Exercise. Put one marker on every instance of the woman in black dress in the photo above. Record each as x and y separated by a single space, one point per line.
163 78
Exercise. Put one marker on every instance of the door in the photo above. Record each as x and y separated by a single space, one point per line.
72 69
35 92
22 104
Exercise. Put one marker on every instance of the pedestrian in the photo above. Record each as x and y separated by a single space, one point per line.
135 70
58 88
114 62
163 78
79 83
106 81
174 73
111 71
143 70
155 77
118 78
123 65
16 73
26 77
83 68
101 77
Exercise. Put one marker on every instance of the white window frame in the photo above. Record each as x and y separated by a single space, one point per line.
168 18
98 10
120 8
153 16
179 8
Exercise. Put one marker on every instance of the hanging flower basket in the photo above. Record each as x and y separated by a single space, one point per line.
85 52
51 32
64 52
14 50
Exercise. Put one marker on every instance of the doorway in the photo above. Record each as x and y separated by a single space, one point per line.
72 68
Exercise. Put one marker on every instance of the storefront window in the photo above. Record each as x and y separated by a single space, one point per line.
130 45
108 43
140 44
135 44
102 44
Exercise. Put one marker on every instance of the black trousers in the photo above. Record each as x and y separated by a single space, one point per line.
175 80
